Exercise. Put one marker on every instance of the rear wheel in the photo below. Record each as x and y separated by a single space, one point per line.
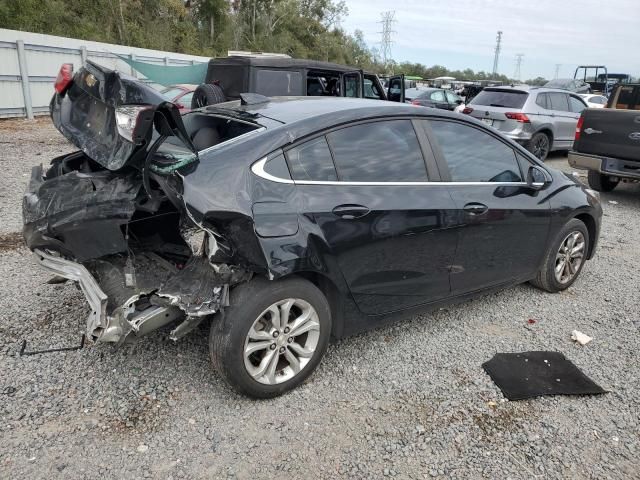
565 258
600 182
207 94
539 145
272 336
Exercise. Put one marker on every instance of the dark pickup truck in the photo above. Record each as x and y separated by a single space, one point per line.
607 141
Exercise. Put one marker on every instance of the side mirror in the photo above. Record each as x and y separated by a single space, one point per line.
537 178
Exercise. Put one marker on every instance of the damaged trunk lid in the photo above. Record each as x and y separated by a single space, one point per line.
111 116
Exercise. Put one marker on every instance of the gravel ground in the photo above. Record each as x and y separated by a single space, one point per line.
406 401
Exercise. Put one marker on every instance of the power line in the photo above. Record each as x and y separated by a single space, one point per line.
497 53
388 19
517 73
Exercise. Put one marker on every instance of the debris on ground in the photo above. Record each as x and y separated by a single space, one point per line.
533 374
580 337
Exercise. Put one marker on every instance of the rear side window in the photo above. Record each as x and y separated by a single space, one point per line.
559 102
437 96
576 105
277 82
386 151
312 161
628 98
500 98
473 155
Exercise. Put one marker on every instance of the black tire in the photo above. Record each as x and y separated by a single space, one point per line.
539 145
207 94
600 182
546 278
248 302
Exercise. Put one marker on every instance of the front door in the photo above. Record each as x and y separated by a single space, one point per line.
388 229
504 223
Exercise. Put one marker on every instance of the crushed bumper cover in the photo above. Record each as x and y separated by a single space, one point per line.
102 326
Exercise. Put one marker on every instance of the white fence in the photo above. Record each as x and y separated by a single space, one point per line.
29 64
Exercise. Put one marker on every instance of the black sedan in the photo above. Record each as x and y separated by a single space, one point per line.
436 98
287 222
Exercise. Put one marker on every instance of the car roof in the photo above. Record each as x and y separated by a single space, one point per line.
527 89
280 62
296 109
301 116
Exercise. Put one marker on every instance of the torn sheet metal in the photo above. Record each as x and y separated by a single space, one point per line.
80 213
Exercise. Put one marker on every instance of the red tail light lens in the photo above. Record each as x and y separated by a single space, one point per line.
65 76
415 102
518 117
579 128
467 110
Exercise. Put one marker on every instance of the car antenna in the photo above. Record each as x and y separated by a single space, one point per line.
253 99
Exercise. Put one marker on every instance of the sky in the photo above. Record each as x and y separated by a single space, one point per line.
461 34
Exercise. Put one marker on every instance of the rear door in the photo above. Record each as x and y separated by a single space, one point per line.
352 83
396 90
504 224
388 228
563 119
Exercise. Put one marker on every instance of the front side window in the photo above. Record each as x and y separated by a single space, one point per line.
386 151
576 105
473 155
312 161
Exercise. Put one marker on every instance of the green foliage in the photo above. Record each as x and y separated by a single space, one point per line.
300 28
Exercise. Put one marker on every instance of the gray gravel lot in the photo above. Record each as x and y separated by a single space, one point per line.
406 401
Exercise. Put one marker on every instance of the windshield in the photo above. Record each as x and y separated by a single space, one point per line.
557 83
500 98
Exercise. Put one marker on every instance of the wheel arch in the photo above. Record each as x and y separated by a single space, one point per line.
333 295
590 223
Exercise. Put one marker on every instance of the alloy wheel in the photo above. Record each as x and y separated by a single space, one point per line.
569 257
281 341
541 146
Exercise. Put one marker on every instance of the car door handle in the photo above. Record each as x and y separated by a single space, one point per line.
475 208
350 212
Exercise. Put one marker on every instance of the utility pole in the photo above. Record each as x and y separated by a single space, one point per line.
497 55
517 73
558 65
388 19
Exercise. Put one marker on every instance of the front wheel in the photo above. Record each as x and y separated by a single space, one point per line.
565 258
272 336
600 182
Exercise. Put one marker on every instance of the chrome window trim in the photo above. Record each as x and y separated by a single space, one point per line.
258 169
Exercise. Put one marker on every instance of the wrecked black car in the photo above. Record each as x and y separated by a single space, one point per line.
287 221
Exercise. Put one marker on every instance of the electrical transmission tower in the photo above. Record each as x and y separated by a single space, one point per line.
558 65
497 55
388 19
517 73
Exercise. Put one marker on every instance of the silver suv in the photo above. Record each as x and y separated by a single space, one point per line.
541 119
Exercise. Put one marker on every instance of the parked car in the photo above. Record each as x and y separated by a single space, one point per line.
181 95
594 100
290 220
437 98
572 84
540 118
607 141
228 77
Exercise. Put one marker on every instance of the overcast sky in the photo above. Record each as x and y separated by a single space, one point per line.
462 33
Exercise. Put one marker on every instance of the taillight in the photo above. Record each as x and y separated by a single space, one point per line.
467 110
579 128
130 118
518 117
64 78
415 102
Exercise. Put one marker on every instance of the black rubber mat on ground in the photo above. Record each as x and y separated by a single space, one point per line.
532 374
